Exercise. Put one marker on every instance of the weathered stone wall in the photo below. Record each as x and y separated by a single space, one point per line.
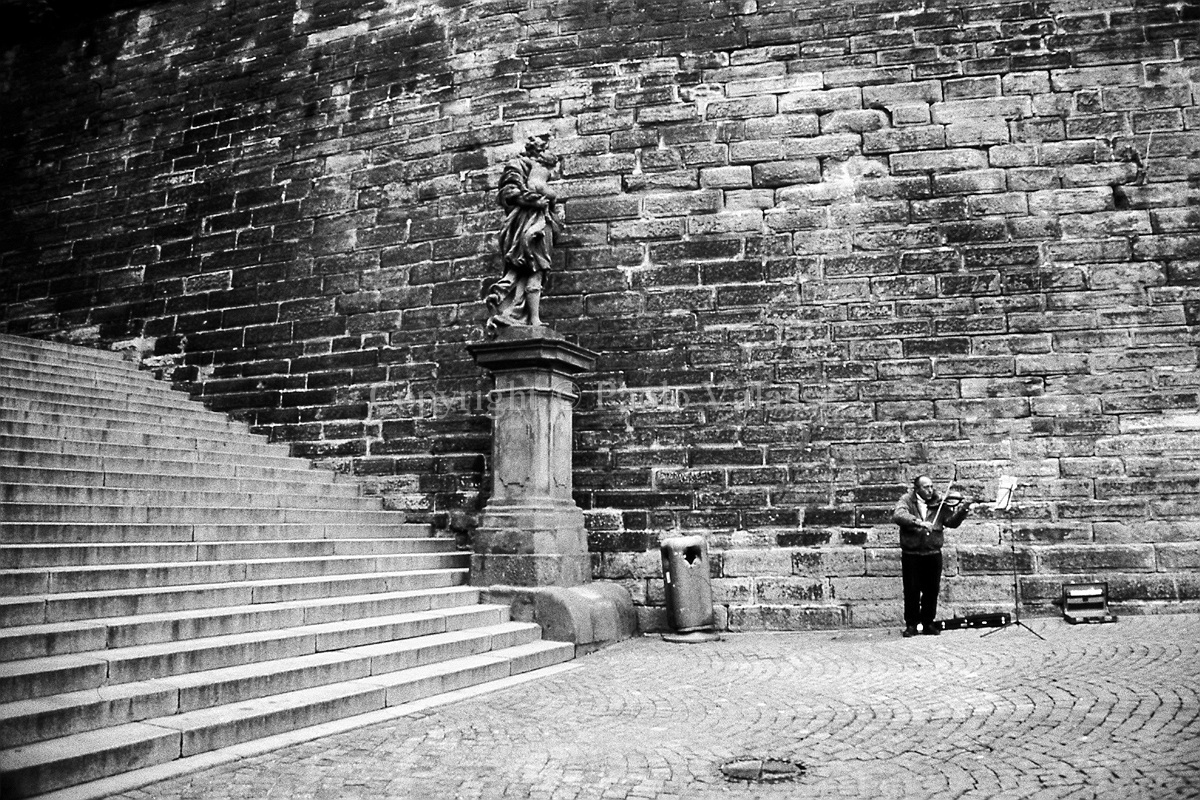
821 247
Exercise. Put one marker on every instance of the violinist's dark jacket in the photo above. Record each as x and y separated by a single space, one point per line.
915 539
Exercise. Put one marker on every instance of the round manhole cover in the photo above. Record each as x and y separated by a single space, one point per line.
762 770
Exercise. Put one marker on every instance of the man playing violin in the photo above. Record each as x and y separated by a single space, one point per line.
923 515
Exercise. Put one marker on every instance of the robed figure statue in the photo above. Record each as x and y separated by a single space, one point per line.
527 236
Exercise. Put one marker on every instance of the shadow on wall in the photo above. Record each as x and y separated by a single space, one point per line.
21 20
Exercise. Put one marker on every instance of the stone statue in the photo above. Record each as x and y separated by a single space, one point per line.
527 236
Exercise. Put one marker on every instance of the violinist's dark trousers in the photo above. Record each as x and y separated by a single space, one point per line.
922 576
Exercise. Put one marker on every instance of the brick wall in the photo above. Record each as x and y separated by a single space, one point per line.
821 248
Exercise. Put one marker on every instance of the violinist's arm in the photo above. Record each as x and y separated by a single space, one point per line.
956 517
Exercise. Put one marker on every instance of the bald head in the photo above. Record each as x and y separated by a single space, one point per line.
923 486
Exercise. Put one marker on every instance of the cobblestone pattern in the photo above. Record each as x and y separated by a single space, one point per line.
820 247
1091 712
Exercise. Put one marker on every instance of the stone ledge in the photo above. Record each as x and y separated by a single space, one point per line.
590 616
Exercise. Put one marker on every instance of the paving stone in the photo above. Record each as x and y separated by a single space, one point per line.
1092 711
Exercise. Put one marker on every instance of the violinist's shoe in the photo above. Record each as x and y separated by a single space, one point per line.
911 630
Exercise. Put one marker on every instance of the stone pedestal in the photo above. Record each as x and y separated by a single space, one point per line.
532 533
530 550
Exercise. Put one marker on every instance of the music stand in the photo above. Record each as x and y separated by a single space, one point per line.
1005 497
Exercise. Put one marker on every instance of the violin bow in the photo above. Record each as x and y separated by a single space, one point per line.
945 494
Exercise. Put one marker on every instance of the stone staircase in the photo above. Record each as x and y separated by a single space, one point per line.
171 584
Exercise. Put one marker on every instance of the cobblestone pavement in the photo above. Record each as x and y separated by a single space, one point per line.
1106 711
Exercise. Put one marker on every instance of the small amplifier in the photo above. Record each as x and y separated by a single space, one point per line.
1086 602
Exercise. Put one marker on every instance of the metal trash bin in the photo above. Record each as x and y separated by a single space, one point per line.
689 590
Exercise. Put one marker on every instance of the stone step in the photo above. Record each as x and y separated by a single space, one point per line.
35 512
30 451
68 606
69 466
44 766
79 636
22 679
80 375
52 364
80 404
34 556
133 533
43 353
67 502
173 583
35 678
39 677
196 494
9 341
470 628
13 435
34 376
61 579
295 483
37 423
63 415
26 393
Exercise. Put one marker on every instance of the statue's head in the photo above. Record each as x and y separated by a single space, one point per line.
537 147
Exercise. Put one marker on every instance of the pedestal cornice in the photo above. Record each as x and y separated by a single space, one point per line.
516 348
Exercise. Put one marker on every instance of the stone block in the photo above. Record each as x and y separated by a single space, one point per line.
786 618
729 591
980 558
727 222
742 108
913 114
951 160
973 87
750 563
530 570
825 562
914 92
589 616
874 615
653 619
1178 556
1090 558
821 101
1067 80
784 173
952 111
1107 532
726 177
873 589
853 121
662 205
787 591
882 561
1156 587
913 138
618 566
976 590
831 145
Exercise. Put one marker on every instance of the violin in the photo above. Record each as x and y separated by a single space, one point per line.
954 499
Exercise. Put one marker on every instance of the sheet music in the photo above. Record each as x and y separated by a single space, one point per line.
1005 492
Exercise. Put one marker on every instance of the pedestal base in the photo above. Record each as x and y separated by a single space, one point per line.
531 545
530 550
591 616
